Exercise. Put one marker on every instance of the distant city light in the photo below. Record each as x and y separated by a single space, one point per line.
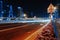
19 7
2 12
25 15
55 8
34 16
7 5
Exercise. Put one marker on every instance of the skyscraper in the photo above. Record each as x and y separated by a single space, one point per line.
10 11
1 8
20 12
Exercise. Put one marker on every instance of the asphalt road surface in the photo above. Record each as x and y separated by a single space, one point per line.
19 32
10 25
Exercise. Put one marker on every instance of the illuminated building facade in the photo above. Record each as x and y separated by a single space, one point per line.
20 12
1 8
10 11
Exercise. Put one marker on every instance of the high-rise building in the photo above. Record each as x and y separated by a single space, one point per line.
1 8
10 11
20 12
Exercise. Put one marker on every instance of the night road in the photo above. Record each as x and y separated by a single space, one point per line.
29 19
19 32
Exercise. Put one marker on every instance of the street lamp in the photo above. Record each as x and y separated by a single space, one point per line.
51 10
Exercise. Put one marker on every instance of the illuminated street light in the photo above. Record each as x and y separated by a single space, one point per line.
25 15
7 5
51 10
55 8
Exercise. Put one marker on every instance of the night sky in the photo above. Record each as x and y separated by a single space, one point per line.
35 6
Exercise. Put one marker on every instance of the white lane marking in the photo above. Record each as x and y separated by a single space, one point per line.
13 28
28 38
41 24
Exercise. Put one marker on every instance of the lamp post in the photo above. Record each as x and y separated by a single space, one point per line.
51 9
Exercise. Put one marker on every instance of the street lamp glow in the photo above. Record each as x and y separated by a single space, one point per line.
55 8
19 7
25 15
50 9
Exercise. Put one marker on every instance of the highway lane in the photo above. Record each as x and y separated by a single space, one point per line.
20 33
10 25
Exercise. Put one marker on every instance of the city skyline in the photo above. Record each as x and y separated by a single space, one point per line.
38 8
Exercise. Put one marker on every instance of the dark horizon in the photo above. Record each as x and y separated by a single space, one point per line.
31 5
